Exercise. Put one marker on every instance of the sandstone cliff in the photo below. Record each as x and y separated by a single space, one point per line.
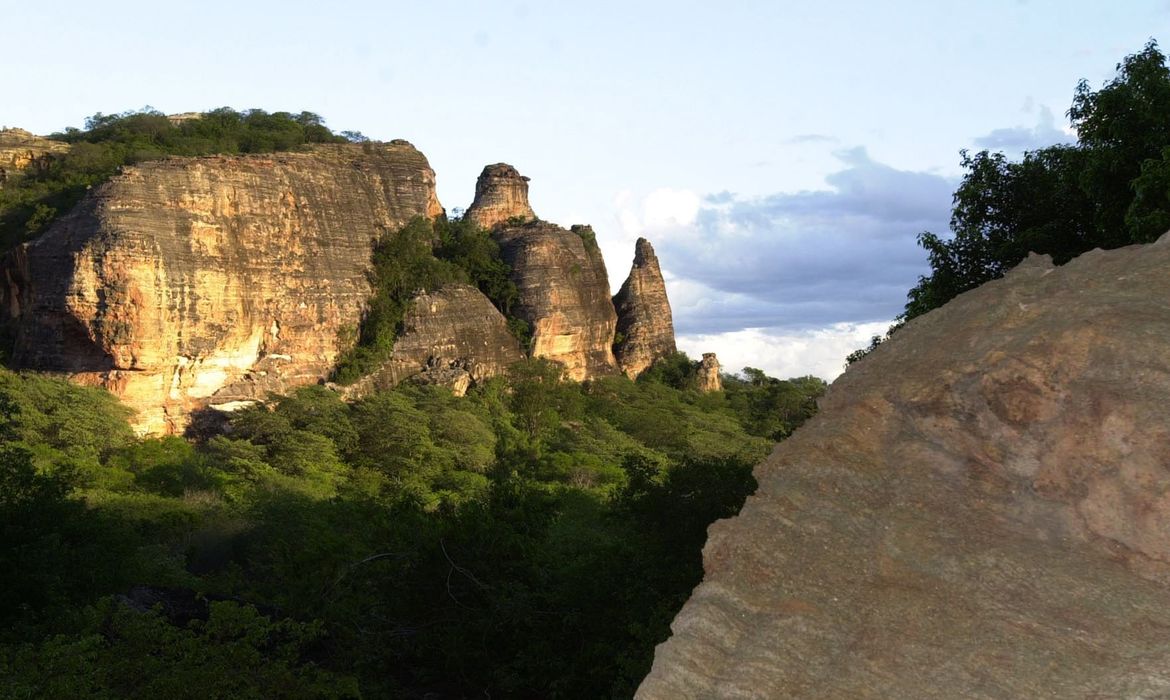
188 282
19 149
564 295
501 194
981 509
452 336
644 325
560 274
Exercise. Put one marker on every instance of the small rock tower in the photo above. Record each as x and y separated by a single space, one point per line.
708 378
501 194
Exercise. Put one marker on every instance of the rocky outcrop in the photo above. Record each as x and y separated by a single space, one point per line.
564 295
645 329
453 337
501 195
20 149
188 282
707 379
981 509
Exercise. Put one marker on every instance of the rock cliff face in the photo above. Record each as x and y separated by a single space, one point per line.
564 295
981 509
453 336
501 194
19 149
187 282
644 324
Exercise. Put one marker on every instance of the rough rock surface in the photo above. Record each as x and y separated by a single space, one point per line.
981 509
453 337
564 295
187 282
19 149
501 194
708 378
644 322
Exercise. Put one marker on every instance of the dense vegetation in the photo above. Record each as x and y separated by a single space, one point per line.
425 255
532 539
30 201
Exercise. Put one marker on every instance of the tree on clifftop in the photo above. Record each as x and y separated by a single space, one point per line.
1112 188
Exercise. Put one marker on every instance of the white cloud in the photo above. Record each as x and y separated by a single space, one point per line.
793 261
820 352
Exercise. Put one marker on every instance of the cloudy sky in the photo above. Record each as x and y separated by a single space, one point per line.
782 156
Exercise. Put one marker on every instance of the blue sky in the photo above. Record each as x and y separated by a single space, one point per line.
782 156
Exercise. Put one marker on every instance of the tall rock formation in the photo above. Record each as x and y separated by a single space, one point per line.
981 509
561 276
645 329
452 336
501 195
564 295
708 378
187 282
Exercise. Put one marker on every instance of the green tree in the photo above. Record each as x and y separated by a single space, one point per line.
1110 189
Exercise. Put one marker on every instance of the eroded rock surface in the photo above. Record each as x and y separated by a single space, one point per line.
564 295
708 378
188 282
981 509
644 325
20 149
501 195
453 337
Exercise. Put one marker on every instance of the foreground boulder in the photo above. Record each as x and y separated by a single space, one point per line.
981 509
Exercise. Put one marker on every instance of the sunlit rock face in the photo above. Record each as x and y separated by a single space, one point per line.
501 195
564 295
981 509
453 337
20 150
190 282
645 329
560 274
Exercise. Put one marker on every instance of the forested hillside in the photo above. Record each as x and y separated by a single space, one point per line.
532 539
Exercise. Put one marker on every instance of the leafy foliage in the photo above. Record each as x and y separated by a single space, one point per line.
29 202
1110 189
423 256
410 543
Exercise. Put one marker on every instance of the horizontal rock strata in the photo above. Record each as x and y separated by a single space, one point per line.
190 282
564 295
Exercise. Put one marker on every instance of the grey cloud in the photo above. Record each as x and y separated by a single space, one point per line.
1022 138
809 259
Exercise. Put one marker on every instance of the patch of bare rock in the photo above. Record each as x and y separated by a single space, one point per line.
981 509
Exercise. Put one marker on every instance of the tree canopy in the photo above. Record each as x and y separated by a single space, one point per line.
1111 188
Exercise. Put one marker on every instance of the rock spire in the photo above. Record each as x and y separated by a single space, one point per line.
645 329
